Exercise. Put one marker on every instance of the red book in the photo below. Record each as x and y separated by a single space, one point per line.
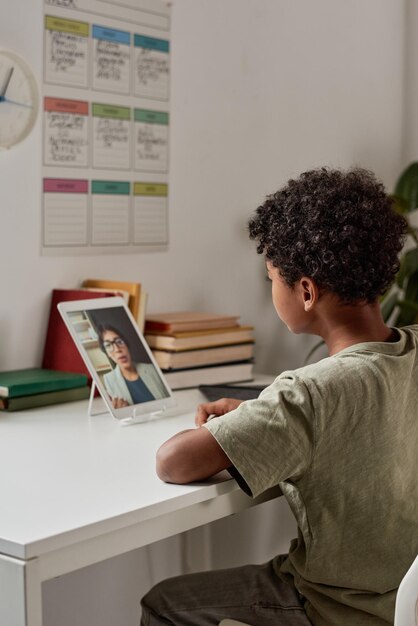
60 351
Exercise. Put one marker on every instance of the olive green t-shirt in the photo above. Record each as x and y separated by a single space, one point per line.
340 437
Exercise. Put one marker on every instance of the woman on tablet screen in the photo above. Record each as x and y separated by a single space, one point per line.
129 382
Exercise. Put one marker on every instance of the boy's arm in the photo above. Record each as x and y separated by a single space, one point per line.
195 454
189 456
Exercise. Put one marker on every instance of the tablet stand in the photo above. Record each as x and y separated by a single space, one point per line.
134 418
90 406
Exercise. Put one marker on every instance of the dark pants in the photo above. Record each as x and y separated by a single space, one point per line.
252 593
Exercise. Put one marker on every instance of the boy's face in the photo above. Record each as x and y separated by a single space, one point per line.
288 301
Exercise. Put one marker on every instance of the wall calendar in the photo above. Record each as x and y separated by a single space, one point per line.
106 122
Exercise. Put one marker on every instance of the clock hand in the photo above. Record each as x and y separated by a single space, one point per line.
21 104
6 84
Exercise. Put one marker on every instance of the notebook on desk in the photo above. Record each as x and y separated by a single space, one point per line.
240 392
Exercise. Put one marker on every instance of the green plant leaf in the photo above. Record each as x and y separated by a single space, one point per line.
408 313
407 187
413 232
388 304
409 265
400 204
409 305
411 289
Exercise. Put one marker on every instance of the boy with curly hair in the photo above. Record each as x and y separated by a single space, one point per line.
340 436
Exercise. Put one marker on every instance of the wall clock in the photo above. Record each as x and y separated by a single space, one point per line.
19 99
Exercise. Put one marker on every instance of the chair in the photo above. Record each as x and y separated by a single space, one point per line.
406 607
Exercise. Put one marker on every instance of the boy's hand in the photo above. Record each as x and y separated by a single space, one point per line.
220 407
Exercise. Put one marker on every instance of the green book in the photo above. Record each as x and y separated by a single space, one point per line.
43 399
37 380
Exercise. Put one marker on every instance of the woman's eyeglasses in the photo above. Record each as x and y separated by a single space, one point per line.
109 346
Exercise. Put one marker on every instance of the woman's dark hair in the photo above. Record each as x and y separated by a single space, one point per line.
103 328
337 227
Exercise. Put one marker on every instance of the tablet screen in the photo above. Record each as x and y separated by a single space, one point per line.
116 355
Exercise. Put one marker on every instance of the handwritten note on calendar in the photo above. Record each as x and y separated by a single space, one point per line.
151 67
66 52
66 132
111 137
111 59
105 126
151 140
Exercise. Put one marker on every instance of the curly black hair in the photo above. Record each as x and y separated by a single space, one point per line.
337 227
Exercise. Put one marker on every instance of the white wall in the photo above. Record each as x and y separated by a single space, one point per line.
261 89
410 125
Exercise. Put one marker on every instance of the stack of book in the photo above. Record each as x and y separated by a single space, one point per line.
194 348
28 388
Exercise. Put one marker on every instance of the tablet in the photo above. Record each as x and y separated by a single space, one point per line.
118 358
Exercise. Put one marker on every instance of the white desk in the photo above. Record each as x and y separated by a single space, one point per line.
76 490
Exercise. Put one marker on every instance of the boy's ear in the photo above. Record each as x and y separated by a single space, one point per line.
310 292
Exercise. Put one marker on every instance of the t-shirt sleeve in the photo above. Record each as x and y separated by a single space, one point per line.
270 439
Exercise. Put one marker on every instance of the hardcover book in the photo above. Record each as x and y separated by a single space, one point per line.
188 320
200 338
133 290
43 399
60 351
37 380
208 356
211 375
